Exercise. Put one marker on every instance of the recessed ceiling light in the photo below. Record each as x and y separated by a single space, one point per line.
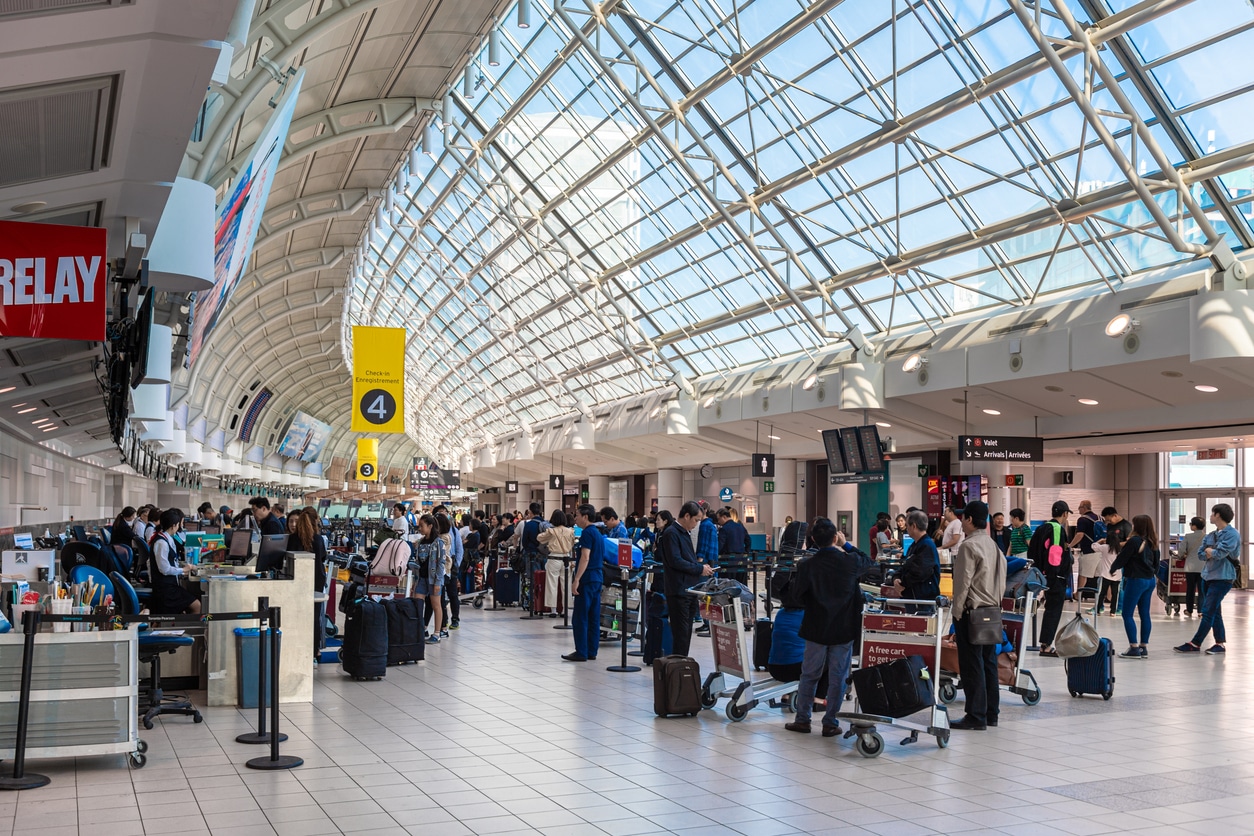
991 412
773 437
883 424
27 208
1182 445
26 410
1238 439
959 400
49 427
7 389
1170 373
1088 401
41 421
17 405
1206 387
1053 388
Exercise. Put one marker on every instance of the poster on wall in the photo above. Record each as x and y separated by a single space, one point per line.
239 217
305 438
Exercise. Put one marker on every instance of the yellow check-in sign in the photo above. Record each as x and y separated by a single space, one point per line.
368 459
378 380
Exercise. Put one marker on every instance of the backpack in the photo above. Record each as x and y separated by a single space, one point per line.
392 558
1055 548
1099 529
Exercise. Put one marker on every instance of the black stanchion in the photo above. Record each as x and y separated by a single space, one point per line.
622 666
565 596
275 761
642 623
21 779
1034 647
263 632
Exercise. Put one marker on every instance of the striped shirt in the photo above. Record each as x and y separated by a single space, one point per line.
1019 538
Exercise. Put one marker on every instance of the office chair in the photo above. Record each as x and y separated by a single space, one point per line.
82 572
155 702
124 557
106 534
143 560
79 553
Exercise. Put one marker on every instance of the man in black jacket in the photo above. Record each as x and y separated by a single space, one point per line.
681 570
1057 577
827 585
266 521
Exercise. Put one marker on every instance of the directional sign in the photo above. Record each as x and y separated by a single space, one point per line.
768 487
378 380
974 448
725 495
368 459
764 465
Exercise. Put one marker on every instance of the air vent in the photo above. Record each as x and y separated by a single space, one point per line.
1157 300
766 378
1019 328
55 130
906 352
33 8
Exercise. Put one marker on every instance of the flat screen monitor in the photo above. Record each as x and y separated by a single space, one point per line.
24 541
80 533
869 443
835 457
193 539
356 522
241 545
271 553
211 529
354 507
324 504
849 446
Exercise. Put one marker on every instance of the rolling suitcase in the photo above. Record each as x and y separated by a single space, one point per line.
538 581
676 686
405 644
365 651
894 689
762 643
506 587
1093 674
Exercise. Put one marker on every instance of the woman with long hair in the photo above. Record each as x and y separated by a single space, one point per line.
1138 559
303 536
168 594
124 527
429 554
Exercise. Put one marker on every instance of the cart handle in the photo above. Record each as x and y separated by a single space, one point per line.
940 601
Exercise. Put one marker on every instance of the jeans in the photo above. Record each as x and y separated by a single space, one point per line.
1212 612
586 619
836 658
1055 597
454 600
1194 589
680 610
978 664
1137 595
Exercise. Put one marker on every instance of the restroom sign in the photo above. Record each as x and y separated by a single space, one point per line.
764 465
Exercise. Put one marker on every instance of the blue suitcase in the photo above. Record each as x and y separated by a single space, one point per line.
507 588
1093 674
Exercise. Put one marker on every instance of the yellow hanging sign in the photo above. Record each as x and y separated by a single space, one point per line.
378 379
368 459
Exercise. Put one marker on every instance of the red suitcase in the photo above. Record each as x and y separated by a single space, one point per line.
537 584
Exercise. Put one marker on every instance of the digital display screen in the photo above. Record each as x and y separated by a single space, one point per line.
835 456
872 458
305 438
850 447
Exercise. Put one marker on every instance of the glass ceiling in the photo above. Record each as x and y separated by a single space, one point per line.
878 165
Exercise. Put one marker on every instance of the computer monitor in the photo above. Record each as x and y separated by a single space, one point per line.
324 504
211 529
193 539
241 546
24 541
272 552
356 522
80 533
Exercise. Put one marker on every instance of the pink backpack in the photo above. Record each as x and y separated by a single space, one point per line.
392 558
1055 550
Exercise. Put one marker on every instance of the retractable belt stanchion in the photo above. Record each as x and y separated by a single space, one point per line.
275 761
641 624
622 666
20 779
264 627
565 594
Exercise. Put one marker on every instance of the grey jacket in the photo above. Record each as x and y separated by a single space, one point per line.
979 574
1191 551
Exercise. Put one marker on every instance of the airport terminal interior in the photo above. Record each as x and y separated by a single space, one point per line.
410 263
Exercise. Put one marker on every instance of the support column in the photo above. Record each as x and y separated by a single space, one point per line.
552 500
599 492
842 499
670 490
784 500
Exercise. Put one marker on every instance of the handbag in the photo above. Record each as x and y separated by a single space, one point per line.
1076 639
984 625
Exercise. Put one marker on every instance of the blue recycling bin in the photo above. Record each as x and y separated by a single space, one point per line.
246 650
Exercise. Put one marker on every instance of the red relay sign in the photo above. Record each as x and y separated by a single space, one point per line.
52 281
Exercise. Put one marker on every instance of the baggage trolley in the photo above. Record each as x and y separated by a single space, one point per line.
727 616
478 596
888 635
1171 583
1014 620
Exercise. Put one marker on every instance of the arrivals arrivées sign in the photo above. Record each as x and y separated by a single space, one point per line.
52 281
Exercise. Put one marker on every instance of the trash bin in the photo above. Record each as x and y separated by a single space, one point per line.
246 650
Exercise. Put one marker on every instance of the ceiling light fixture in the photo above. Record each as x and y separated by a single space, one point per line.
7 389
913 363
657 410
1120 325
524 14
41 421
26 410
709 402
991 411
49 427
1088 401
1205 387
773 437
809 382
883 424
494 48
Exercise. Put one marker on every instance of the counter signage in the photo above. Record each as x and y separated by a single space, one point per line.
368 459
378 380
974 448
727 656
52 281
624 553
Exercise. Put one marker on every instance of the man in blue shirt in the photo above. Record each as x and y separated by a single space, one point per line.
1222 550
586 587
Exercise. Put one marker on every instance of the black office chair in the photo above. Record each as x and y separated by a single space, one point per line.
143 560
78 553
155 702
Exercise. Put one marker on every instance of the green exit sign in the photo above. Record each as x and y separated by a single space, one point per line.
924 470
583 495
768 487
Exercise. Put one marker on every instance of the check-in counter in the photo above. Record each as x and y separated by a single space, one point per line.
295 597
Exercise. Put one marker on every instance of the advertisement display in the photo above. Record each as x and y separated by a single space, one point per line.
239 218
368 459
305 438
52 281
378 380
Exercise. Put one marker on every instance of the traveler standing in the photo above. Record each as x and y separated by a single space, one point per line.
1138 560
1194 563
1085 537
1000 533
827 587
681 569
429 554
559 539
1049 553
452 567
1222 548
1020 533
705 545
919 577
586 586
952 538
979 581
1117 531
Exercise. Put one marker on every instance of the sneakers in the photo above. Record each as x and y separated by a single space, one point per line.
800 726
1215 650
1131 653
433 639
1144 652
444 634
1187 647
452 626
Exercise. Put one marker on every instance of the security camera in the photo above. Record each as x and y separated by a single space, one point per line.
1079 452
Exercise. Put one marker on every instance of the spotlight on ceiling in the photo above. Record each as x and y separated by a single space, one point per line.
709 402
913 363
1120 325
524 14
810 382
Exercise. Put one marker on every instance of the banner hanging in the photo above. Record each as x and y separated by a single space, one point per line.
368 459
52 281
378 379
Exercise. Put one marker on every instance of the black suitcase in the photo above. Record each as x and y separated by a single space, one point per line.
894 689
762 643
365 651
1093 674
506 588
676 686
405 644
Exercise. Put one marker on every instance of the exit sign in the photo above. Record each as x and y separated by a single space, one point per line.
768 487
1212 455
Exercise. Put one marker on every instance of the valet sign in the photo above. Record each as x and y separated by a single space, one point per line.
52 281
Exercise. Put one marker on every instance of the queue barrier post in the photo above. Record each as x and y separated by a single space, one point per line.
263 633
275 761
565 594
21 779
622 666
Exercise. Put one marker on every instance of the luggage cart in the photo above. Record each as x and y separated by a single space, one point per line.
477 597
1015 615
727 616
888 635
1171 584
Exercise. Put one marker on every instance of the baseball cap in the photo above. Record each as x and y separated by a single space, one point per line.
1060 507
225 509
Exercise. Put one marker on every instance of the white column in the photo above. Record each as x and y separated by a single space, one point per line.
784 500
1000 497
599 491
670 490
844 498
552 500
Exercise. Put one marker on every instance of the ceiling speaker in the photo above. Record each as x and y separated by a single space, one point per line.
1132 342
923 377
1016 362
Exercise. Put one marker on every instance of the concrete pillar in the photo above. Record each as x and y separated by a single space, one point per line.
599 491
552 500
844 498
1000 497
670 490
784 500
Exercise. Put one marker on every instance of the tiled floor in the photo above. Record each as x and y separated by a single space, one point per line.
494 734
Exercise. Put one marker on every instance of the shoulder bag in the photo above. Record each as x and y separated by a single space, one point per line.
984 625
